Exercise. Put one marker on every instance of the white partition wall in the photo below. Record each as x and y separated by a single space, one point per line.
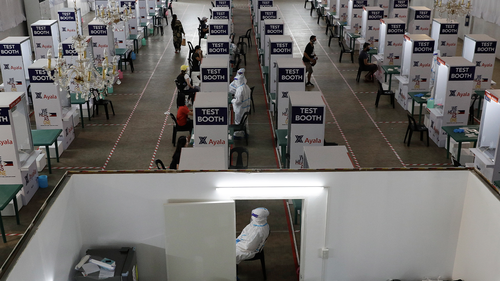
409 225
215 75
419 20
271 27
384 4
265 13
203 158
278 46
445 33
371 25
67 22
306 126
45 36
342 10
15 57
218 46
121 32
355 15
102 39
134 21
480 49
291 77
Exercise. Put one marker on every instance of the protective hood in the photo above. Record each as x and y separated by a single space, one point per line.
259 216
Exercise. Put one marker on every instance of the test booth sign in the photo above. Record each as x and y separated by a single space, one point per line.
218 46
223 3
211 120
45 36
67 22
391 40
15 57
291 77
279 46
480 49
371 25
264 3
398 9
219 27
421 61
271 27
445 33
102 38
214 75
220 13
307 125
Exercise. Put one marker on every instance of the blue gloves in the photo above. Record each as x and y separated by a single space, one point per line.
458 131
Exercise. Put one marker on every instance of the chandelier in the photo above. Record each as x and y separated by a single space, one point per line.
88 79
111 14
453 8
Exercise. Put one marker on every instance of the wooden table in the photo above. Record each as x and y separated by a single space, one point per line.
8 192
46 138
459 137
394 70
420 101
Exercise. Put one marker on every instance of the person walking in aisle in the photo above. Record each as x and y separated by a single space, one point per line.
310 59
177 31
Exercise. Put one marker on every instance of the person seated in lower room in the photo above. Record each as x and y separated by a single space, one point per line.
183 120
176 158
254 235
365 64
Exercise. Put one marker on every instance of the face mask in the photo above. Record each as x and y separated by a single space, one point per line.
314 42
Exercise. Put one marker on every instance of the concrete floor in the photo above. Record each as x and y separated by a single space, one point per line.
140 132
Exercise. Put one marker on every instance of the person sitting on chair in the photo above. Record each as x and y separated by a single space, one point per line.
188 89
176 158
365 65
253 236
203 27
197 58
183 114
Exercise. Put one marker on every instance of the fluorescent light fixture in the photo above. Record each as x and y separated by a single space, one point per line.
270 191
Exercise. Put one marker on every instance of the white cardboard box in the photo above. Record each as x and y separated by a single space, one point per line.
41 160
53 149
9 210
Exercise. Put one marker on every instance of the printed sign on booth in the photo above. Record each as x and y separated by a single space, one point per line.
211 116
214 75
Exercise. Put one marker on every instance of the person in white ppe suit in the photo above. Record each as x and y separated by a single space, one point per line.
241 101
253 236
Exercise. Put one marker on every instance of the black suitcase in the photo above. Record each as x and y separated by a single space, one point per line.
125 259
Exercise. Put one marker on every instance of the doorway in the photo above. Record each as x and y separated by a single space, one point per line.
282 246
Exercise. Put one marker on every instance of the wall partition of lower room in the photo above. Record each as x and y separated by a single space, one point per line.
377 225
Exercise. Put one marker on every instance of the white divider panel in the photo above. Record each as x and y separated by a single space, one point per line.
419 20
384 4
306 126
143 11
291 77
215 75
342 10
102 38
121 32
45 36
391 41
480 49
211 121
355 15
67 22
398 9
70 55
278 46
15 57
271 27
327 157
221 13
203 158
134 21
445 33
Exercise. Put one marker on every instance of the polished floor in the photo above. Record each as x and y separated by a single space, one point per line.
140 132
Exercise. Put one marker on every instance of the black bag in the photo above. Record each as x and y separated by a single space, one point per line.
180 82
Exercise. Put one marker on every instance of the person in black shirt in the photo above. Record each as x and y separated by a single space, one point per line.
197 57
365 65
310 58
203 27
176 158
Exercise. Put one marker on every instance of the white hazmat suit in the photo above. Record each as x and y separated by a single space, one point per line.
253 236
241 101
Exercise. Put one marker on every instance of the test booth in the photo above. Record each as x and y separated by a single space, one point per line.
17 154
278 46
221 13
480 49
487 156
15 57
45 36
371 26
419 20
445 33
52 106
265 13
102 39
452 97
218 46
121 33
215 75
399 9
291 78
134 21
342 10
405 224
271 27
210 113
306 126
355 15
219 27
390 42
415 67
144 17
223 3
67 22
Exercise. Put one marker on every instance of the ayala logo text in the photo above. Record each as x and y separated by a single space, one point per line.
5 142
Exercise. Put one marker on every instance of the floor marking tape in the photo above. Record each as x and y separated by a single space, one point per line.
99 125
434 164
77 168
392 122
13 234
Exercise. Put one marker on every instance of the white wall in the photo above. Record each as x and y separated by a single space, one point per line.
386 225
383 224
478 257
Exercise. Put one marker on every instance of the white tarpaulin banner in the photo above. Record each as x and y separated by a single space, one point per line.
11 14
